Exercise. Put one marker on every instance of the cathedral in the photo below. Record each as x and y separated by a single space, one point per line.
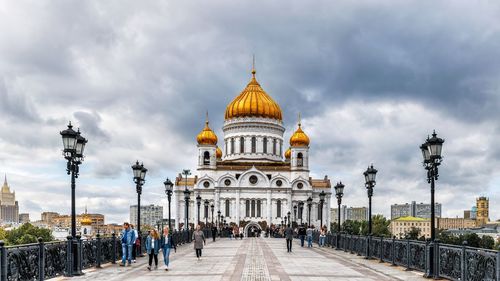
248 177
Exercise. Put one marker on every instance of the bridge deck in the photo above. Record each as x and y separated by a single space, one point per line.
256 259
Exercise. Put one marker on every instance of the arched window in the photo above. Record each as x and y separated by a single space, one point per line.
206 158
227 208
254 145
274 146
253 208
264 143
258 209
247 208
300 160
278 208
232 145
242 145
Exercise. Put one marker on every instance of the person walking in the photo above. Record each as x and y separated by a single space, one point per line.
128 240
198 241
302 234
309 234
136 242
214 232
236 232
167 244
289 238
153 247
322 237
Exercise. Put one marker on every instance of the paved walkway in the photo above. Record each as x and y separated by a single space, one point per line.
256 259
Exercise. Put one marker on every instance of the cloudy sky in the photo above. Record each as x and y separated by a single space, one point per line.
372 79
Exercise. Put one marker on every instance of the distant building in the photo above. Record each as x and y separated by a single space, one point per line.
467 214
473 212
24 218
9 207
150 215
351 213
401 226
482 204
420 210
48 217
455 223
64 221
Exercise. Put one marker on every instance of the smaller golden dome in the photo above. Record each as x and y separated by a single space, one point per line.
288 153
207 136
299 138
86 220
218 153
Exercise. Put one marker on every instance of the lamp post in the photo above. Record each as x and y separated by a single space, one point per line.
206 203
212 209
73 147
295 214
169 186
431 153
219 220
322 196
198 203
309 205
186 173
370 175
139 179
339 192
288 215
285 221
301 210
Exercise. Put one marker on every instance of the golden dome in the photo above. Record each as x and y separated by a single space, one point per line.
218 153
288 153
253 101
86 220
207 136
299 138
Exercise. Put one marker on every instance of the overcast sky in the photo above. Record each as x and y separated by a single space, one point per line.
371 79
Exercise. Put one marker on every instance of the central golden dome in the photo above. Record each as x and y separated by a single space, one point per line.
253 101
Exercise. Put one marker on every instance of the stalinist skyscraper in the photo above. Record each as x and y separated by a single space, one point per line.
9 208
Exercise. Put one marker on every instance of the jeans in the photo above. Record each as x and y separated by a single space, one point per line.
288 245
309 241
166 255
302 240
127 253
322 241
198 253
151 256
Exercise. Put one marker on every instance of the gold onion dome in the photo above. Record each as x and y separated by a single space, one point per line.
288 153
86 220
207 136
299 138
253 101
218 153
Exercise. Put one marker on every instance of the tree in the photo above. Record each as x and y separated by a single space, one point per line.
28 233
472 239
413 233
380 226
487 242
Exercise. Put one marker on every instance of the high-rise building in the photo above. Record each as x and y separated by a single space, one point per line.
150 215
351 213
482 217
24 218
420 210
9 208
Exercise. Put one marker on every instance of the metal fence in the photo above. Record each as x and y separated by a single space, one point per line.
40 261
452 262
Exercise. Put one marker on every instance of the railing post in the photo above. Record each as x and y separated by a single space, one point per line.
368 240
408 264
381 249
113 256
3 261
498 265
464 261
99 249
69 257
346 242
79 256
41 259
436 259
393 251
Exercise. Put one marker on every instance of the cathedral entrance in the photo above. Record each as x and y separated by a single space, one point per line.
252 229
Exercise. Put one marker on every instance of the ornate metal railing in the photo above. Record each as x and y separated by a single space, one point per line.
40 261
451 262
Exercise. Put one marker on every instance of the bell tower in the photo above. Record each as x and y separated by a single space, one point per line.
207 148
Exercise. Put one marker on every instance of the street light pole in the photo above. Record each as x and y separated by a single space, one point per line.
206 212
288 215
339 193
198 204
212 209
322 196
169 186
139 179
370 175
301 211
186 173
309 205
295 214
431 152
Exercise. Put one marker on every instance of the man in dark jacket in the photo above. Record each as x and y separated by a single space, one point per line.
289 238
302 235
214 232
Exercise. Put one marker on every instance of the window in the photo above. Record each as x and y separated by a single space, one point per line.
232 145
258 209
264 143
242 145
253 208
227 207
281 147
254 145
247 208
300 160
278 209
274 146
206 158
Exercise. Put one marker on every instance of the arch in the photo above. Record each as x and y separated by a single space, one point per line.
301 180
285 181
199 183
249 226
300 159
226 176
262 177
206 158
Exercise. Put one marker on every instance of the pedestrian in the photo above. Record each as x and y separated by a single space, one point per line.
309 234
236 232
302 234
128 240
241 233
136 242
167 244
289 238
322 236
198 241
214 232
153 247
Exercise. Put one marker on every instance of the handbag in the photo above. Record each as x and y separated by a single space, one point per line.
138 242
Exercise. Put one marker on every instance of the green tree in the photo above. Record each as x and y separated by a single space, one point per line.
28 233
472 239
487 242
351 227
413 233
380 226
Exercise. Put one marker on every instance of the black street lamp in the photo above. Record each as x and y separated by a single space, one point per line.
431 152
219 222
212 209
285 220
309 205
198 203
370 175
206 212
73 147
139 179
339 192
186 173
169 186
295 214
322 196
301 211
288 215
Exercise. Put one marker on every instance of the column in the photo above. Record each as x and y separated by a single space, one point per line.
175 208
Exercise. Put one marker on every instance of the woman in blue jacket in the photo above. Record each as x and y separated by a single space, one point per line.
167 244
153 247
